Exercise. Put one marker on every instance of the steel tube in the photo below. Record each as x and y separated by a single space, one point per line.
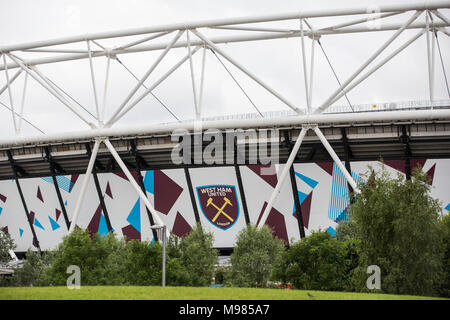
49 88
22 103
219 40
326 104
11 80
191 67
283 176
133 182
8 84
94 86
379 65
147 74
84 184
305 70
336 159
293 121
247 72
423 5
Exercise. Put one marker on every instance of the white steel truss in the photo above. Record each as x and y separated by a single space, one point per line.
309 118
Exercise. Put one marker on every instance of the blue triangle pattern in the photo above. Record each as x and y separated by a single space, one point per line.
20 232
134 218
38 224
310 182
149 181
53 224
102 226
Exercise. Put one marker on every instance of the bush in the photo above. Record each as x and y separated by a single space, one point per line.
254 256
444 288
6 244
397 229
197 255
90 254
317 262
32 272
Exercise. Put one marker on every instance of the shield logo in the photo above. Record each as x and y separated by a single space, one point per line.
219 204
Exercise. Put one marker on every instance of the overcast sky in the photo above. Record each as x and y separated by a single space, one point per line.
276 62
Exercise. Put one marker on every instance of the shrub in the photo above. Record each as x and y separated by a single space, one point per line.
254 256
397 229
90 254
444 288
198 256
32 272
317 262
6 244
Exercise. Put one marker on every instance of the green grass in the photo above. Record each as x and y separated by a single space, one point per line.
183 293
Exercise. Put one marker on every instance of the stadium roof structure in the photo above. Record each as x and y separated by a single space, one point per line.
150 144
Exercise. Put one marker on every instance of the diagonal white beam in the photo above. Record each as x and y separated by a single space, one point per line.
361 20
246 71
336 159
42 81
389 26
149 89
84 184
311 71
8 84
153 36
421 5
202 79
147 74
22 104
441 16
283 175
133 182
305 70
11 80
105 90
379 65
326 104
191 66
94 86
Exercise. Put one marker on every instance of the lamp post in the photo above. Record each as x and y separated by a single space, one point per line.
163 236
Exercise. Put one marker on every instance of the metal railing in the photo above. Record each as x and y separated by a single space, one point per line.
367 107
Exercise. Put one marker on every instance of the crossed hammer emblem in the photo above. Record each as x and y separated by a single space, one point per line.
220 210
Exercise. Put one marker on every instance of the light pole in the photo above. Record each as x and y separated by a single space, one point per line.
163 236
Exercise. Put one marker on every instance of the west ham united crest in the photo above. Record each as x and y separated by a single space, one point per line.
219 204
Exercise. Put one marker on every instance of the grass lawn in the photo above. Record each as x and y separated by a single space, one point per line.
183 293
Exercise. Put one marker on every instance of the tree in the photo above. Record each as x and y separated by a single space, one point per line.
444 288
32 272
396 226
254 256
198 256
317 262
89 254
6 244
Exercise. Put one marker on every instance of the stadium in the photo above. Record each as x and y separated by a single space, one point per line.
222 122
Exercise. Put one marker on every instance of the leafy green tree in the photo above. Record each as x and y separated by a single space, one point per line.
397 229
89 254
444 288
198 256
32 272
317 262
140 263
6 244
254 256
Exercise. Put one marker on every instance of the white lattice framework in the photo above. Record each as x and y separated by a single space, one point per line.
192 36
